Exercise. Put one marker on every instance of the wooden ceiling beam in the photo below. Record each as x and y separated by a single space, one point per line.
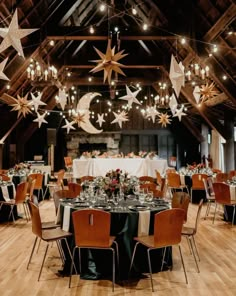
101 38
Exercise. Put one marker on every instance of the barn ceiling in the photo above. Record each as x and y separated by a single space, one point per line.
206 26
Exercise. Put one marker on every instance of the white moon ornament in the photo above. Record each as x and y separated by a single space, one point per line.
83 107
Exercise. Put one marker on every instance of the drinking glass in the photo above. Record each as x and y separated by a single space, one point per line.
93 199
142 197
115 200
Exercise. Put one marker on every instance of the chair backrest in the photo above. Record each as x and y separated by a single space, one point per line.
74 189
146 179
91 228
197 181
180 200
173 179
68 161
30 189
157 193
148 187
38 177
60 176
232 174
63 193
208 185
167 227
4 172
21 192
4 177
222 192
170 170
222 177
86 178
198 216
36 219
216 171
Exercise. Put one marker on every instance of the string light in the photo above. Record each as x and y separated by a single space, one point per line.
102 7
134 11
91 30
145 27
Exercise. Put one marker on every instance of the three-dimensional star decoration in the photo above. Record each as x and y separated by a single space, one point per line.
100 119
82 116
41 119
173 104
179 113
196 93
22 105
62 98
207 91
164 119
36 101
108 62
152 112
176 75
2 66
131 97
69 126
120 117
13 34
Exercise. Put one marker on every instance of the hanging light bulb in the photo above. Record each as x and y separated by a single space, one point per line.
91 30
134 11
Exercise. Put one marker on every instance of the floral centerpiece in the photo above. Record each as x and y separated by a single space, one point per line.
194 168
20 168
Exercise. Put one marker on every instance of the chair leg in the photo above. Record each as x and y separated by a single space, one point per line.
163 258
11 214
46 190
233 216
45 254
113 269
196 248
132 259
71 266
70 253
214 214
117 258
35 241
207 210
150 267
194 256
183 264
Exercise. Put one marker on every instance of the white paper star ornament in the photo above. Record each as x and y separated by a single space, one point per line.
100 119
173 104
62 98
2 66
120 117
131 97
152 112
179 113
196 93
36 101
164 119
69 126
41 119
176 75
13 34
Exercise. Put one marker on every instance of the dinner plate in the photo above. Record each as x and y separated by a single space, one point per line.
102 207
139 208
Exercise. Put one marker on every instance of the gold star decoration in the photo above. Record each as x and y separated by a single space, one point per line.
207 91
164 119
22 105
81 117
108 62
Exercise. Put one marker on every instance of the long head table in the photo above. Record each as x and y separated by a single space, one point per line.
133 166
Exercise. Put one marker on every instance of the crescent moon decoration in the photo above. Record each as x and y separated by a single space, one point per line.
82 117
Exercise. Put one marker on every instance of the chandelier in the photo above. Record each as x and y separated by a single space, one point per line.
197 73
162 99
41 73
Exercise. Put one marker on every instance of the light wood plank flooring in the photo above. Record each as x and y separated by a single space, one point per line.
216 243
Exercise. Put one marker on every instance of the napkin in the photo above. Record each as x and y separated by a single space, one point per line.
5 193
232 192
66 219
143 223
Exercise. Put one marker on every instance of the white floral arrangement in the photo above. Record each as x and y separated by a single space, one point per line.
200 168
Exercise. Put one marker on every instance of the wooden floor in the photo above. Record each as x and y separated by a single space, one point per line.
217 247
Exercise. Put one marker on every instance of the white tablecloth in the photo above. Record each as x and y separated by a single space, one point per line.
133 166
233 192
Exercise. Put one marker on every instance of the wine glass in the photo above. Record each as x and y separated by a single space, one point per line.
93 199
136 190
115 198
142 197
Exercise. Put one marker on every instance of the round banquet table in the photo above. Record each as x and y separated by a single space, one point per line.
124 225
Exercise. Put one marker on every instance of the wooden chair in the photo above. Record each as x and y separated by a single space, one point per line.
86 178
57 195
4 177
68 163
170 170
197 183
222 197
38 177
222 177
74 189
216 171
167 232
190 232
58 184
210 195
47 235
232 174
180 200
174 183
4 172
146 179
92 231
148 186
21 192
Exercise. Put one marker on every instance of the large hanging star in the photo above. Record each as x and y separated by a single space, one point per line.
173 104
179 113
131 97
2 66
100 119
164 119
152 112
176 75
108 62
207 91
36 101
120 117
69 126
196 93
62 98
41 119
22 105
13 34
